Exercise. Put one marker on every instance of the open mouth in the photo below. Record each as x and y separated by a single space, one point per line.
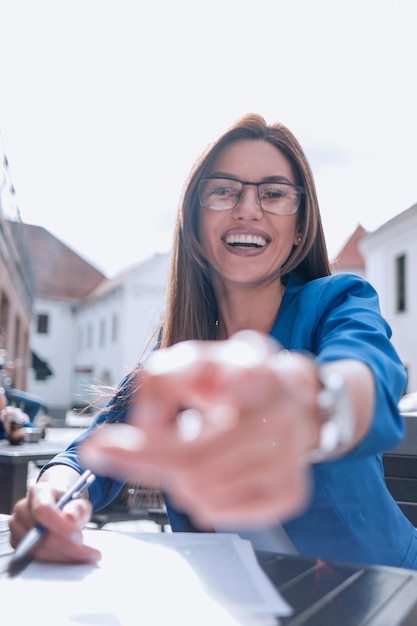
246 241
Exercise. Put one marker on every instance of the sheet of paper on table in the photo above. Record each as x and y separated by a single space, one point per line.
150 579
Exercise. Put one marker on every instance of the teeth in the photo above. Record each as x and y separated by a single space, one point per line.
254 240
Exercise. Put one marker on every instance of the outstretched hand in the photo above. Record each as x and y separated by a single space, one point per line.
223 426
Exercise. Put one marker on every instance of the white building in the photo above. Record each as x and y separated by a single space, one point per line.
115 325
391 267
88 331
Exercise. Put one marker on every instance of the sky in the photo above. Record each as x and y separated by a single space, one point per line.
106 104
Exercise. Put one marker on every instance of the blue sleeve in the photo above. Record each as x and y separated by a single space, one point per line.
349 325
104 489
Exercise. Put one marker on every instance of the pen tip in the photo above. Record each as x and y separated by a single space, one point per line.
16 566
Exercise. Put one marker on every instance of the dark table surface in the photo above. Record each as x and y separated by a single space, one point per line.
323 593
28 451
336 594
14 463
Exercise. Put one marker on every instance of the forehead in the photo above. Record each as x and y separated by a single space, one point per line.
252 159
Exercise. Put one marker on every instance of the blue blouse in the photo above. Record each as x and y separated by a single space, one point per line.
351 515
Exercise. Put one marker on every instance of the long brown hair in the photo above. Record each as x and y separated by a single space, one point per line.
191 308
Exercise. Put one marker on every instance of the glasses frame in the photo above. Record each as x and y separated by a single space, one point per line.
300 190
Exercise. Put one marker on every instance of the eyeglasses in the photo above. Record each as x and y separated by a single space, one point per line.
223 194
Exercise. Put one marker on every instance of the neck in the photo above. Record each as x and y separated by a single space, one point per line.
249 310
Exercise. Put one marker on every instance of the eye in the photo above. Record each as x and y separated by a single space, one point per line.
221 188
222 191
274 192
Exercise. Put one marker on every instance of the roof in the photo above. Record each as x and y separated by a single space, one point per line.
59 272
399 218
350 256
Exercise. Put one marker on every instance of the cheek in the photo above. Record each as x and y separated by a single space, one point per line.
285 242
292 232
287 232
206 231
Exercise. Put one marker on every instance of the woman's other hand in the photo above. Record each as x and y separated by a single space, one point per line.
64 540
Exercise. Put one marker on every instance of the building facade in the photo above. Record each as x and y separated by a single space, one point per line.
16 283
115 327
391 267
62 280
88 331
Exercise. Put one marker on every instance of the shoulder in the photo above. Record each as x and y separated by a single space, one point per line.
333 281
333 288
333 305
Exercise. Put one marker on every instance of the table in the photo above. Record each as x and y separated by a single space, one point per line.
14 462
5 547
324 593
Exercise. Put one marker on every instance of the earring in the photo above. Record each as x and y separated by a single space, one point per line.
298 239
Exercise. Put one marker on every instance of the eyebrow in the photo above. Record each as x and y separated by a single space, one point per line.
278 178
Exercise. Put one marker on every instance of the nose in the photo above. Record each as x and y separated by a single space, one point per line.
248 207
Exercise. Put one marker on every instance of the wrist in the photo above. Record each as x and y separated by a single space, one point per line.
336 416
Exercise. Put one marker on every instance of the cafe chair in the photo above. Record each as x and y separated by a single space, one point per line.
400 470
139 504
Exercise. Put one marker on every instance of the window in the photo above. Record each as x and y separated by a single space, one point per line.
83 384
400 283
89 335
102 332
42 323
80 338
4 317
114 327
17 337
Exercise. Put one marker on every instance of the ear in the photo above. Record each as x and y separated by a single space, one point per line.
299 230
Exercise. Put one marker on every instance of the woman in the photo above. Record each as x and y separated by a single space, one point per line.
279 439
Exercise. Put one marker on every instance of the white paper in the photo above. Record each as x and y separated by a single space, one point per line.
149 579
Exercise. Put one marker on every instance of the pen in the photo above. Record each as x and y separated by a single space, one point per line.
22 556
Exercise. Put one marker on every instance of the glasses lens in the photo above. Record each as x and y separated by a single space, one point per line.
279 198
219 194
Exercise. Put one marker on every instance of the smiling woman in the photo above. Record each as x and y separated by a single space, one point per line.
264 155
248 230
273 390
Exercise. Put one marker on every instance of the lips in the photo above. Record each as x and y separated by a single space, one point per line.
254 240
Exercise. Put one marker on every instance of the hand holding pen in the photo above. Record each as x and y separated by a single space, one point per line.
23 553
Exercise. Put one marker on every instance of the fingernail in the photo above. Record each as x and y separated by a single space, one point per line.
129 438
96 461
77 538
189 424
115 438
171 359
95 557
